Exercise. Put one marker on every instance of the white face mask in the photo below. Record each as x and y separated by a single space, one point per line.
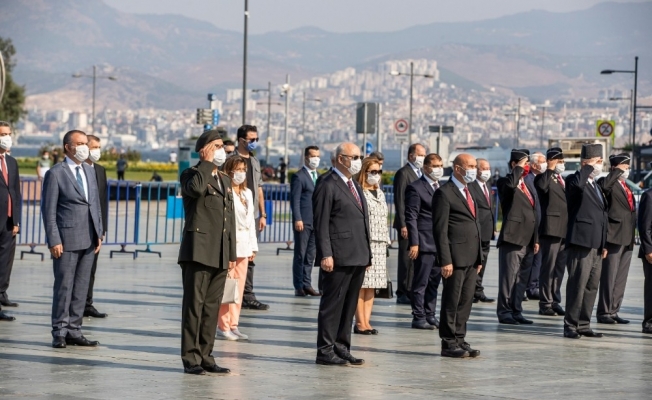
543 166
560 168
597 168
436 173
219 157
373 179
485 175
239 177
6 142
313 162
418 161
356 166
624 175
81 153
94 155
470 175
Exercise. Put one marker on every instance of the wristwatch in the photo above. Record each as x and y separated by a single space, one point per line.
263 215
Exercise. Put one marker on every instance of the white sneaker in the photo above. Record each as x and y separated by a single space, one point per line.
239 334
228 335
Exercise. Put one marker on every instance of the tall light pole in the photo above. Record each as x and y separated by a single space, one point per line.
635 72
269 114
244 64
543 121
95 78
285 92
412 75
517 118
631 113
303 117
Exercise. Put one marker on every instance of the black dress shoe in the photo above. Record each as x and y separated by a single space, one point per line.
59 342
216 369
485 299
8 303
606 320
590 333
81 341
5 317
298 293
374 331
403 300
571 334
255 305
311 292
558 310
352 360
457 352
419 324
92 312
361 332
475 300
522 320
508 321
647 330
549 312
472 352
433 321
533 295
331 359
194 370
620 320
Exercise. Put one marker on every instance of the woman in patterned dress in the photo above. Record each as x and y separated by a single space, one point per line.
376 275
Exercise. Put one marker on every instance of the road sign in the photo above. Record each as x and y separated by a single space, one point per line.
440 128
369 149
208 116
401 126
366 115
605 128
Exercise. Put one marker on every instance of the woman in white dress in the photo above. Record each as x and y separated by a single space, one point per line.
376 275
246 246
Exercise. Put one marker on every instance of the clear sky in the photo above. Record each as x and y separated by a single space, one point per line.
344 15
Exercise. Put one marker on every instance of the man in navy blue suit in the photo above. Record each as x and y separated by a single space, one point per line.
301 188
422 249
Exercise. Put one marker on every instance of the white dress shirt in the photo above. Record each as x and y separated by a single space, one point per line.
73 167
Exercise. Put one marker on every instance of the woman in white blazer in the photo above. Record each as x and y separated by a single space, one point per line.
246 246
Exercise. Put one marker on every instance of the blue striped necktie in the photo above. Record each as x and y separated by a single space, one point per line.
79 181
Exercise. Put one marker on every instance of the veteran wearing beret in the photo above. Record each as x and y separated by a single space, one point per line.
586 241
207 249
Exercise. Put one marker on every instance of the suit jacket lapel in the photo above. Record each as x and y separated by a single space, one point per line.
428 186
343 186
2 178
456 190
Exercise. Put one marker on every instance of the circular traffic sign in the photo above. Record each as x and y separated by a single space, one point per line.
401 126
605 129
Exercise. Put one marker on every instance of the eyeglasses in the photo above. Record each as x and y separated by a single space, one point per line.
352 157
250 140
375 172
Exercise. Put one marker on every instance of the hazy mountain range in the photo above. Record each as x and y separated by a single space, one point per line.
169 60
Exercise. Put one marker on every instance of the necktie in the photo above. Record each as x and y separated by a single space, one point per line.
561 181
597 192
314 176
80 183
355 192
435 185
469 200
5 174
630 197
486 193
527 193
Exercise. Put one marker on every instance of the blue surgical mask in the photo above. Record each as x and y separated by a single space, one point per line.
251 146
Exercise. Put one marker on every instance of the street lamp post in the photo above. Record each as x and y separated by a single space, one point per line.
269 114
517 117
94 77
303 117
285 92
412 75
244 64
635 72
631 113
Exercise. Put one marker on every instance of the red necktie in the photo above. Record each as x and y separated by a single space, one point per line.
486 193
355 192
561 181
469 200
630 198
527 193
5 174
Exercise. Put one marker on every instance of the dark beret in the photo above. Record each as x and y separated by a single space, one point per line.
519 154
554 153
622 158
206 138
591 150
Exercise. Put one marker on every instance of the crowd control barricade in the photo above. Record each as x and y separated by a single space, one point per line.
32 232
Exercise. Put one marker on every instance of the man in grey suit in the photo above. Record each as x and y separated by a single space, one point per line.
73 227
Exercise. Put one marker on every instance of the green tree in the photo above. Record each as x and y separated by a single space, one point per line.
11 104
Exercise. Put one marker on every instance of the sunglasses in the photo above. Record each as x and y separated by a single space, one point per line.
250 140
352 157
375 172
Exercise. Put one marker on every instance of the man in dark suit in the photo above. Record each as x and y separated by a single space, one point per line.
538 165
645 254
518 239
551 190
302 187
207 251
481 191
620 240
72 218
341 225
409 173
458 239
585 242
418 219
100 175
10 210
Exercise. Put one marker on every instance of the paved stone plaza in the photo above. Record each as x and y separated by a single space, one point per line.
139 353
